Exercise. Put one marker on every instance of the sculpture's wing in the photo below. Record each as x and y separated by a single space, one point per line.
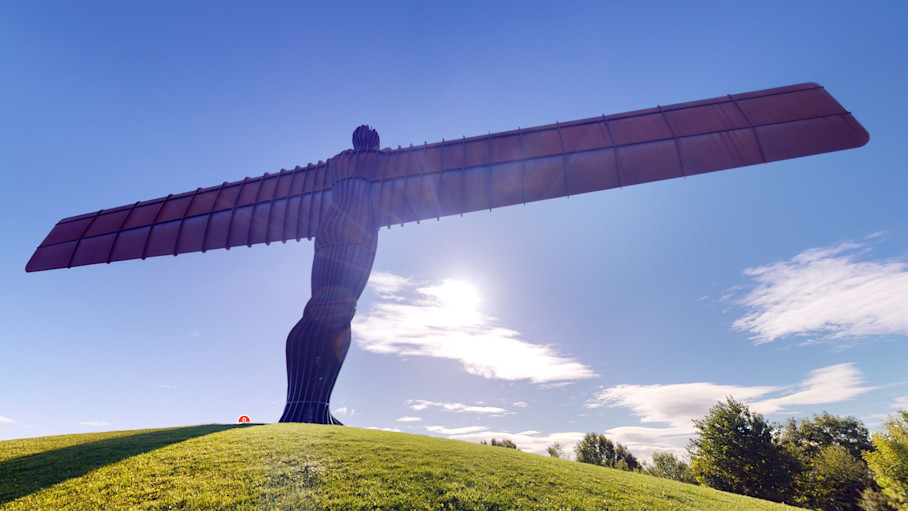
273 207
559 160
471 174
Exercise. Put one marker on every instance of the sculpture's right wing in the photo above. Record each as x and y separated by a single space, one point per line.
558 160
273 207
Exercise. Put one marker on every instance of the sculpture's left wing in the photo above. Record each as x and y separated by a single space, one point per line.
558 160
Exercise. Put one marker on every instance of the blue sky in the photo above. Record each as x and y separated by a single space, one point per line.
627 312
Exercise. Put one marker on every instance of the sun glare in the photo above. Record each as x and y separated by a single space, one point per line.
456 295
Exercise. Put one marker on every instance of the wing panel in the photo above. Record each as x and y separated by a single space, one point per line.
107 222
203 202
585 137
809 136
592 170
544 178
67 231
650 161
278 219
790 106
51 257
162 240
130 244
476 194
720 150
508 184
143 214
706 119
93 250
238 233
192 234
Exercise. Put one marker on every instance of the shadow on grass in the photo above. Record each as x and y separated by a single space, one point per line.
22 476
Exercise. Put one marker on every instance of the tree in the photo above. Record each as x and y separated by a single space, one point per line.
625 459
504 442
889 462
595 450
734 451
556 451
810 436
667 466
831 473
833 480
599 450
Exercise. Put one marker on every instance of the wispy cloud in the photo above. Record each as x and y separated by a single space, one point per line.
455 431
165 386
421 404
676 405
900 403
93 423
344 411
7 420
520 404
408 419
826 292
529 441
413 319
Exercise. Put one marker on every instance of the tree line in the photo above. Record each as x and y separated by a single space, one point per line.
824 462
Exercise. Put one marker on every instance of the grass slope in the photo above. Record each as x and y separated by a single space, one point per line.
301 466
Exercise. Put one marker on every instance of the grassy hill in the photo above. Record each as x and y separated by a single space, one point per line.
301 466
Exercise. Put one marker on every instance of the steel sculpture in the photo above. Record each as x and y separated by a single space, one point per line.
342 202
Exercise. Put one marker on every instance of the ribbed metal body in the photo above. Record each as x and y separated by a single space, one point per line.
344 252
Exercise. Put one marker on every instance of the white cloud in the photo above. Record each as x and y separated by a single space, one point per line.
830 384
387 285
455 431
528 441
165 386
344 411
421 404
408 419
900 403
392 430
93 423
673 404
828 293
520 404
676 405
7 420
442 321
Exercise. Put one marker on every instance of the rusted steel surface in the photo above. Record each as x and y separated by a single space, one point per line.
471 174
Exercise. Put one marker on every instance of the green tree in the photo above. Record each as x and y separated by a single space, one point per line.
625 458
556 451
734 451
832 480
667 466
595 450
599 450
810 436
504 442
889 462
831 473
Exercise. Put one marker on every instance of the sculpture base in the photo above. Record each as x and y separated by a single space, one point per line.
309 412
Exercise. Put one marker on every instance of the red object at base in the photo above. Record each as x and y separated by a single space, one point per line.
243 418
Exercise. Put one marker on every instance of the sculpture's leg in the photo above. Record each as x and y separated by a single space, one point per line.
318 344
316 348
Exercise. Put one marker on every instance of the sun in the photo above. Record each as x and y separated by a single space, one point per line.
456 295
456 303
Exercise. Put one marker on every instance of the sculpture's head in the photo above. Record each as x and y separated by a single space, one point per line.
365 138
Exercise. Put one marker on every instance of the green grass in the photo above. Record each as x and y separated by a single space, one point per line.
301 466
